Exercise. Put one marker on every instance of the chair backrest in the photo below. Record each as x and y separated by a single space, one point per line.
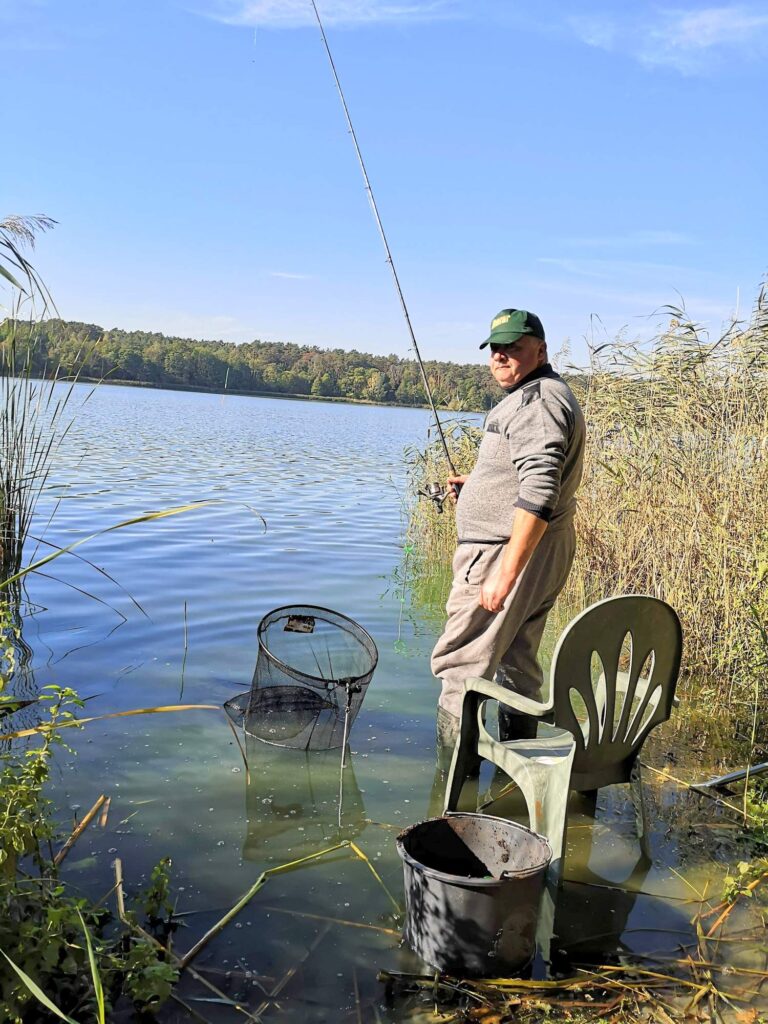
613 679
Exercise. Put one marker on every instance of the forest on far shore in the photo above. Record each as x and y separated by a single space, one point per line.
90 352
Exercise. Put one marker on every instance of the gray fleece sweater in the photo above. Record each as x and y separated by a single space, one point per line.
530 457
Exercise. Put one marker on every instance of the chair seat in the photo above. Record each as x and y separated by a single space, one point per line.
539 767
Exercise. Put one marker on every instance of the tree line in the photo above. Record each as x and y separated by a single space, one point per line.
69 348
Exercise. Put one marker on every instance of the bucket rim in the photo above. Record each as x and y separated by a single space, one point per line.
291 669
462 880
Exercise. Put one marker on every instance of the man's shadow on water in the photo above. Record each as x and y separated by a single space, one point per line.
298 801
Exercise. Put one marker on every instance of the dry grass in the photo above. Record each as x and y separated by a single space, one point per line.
675 489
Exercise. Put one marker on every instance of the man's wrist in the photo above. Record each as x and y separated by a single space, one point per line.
507 577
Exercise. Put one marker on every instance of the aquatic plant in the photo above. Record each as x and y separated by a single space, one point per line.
43 924
33 413
675 489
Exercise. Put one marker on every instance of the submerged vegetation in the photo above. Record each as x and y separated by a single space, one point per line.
58 947
674 493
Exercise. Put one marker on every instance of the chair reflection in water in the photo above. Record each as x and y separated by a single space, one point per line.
292 801
612 681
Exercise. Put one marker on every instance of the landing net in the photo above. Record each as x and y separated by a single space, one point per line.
313 668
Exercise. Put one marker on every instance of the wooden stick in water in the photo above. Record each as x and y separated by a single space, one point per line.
83 825
171 957
359 853
332 920
246 898
263 1006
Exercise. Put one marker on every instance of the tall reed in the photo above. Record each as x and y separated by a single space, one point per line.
33 413
675 489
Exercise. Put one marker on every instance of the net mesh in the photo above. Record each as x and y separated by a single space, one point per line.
312 671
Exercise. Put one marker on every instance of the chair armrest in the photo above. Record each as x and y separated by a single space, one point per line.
510 699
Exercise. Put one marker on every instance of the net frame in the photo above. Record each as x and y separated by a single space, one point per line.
329 703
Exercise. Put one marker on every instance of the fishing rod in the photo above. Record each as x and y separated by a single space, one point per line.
434 491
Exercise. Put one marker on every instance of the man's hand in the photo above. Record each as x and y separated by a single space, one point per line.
460 480
494 593
527 531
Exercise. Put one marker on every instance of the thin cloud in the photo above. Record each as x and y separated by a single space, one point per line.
609 268
691 42
616 301
632 239
288 276
348 13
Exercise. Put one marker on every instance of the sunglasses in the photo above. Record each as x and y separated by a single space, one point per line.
504 348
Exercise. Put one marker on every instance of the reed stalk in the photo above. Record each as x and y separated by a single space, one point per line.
34 414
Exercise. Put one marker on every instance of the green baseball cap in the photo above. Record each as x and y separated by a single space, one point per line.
511 324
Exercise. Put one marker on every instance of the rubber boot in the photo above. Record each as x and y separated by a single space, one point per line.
447 735
516 727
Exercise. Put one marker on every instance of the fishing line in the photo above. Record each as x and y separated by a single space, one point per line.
390 261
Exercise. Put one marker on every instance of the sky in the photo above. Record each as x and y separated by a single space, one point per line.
590 160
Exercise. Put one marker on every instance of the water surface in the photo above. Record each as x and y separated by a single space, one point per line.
177 623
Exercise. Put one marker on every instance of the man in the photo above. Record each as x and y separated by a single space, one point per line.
514 518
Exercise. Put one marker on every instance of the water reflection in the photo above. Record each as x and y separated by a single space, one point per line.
20 691
298 801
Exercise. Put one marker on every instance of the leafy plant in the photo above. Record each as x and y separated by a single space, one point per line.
156 897
741 881
24 810
54 944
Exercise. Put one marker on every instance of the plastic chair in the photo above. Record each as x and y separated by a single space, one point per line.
539 767
612 680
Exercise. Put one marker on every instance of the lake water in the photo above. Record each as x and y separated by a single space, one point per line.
177 624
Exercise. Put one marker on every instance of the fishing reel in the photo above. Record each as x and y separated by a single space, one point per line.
439 494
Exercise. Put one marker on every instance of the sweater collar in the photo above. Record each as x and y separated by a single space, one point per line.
540 371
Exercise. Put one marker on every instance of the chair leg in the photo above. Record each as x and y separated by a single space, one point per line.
465 767
466 759
545 924
546 796
588 798
641 816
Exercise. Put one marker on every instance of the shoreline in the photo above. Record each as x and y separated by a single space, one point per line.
253 394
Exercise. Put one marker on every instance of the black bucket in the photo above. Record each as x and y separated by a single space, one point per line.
473 885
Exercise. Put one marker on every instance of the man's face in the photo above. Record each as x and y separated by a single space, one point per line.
510 363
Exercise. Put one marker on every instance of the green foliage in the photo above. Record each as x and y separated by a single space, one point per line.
55 943
24 810
156 897
58 941
741 881
262 367
146 979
